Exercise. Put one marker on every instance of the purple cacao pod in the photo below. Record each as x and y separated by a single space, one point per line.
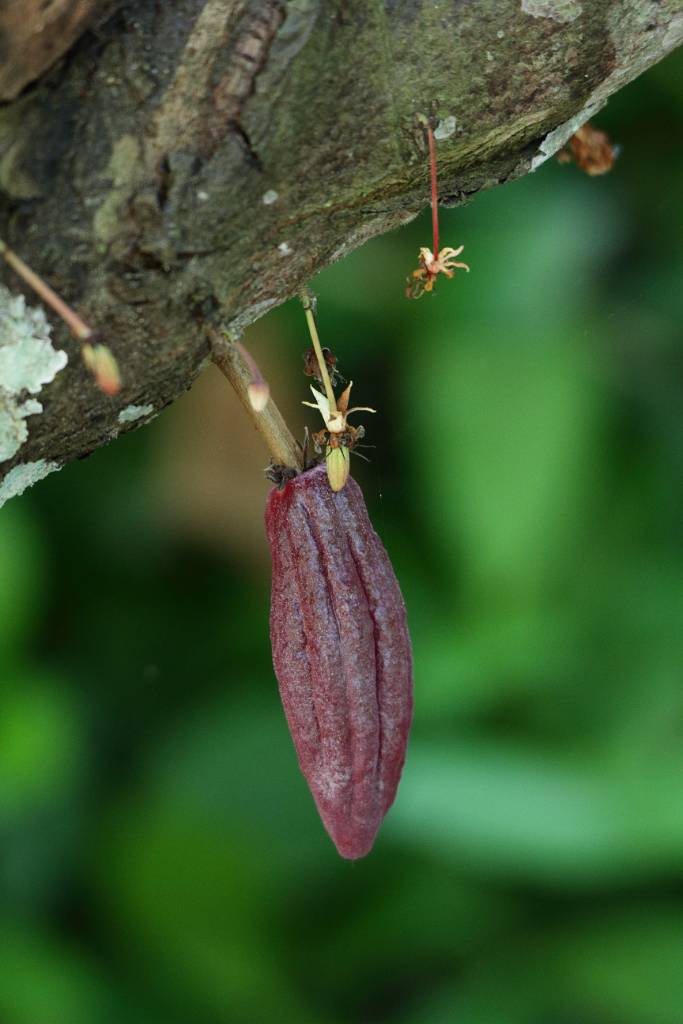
341 653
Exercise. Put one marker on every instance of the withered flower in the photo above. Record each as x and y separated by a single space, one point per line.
423 279
590 149
312 369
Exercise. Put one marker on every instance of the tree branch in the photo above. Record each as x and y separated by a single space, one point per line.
201 160
268 421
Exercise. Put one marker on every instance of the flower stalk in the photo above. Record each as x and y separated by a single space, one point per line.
435 192
97 357
433 261
307 303
338 437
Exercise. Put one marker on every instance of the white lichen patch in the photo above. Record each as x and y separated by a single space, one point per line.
23 476
673 33
27 362
13 429
562 11
135 412
445 128
27 358
269 197
556 139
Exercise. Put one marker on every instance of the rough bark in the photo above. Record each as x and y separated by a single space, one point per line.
34 34
201 159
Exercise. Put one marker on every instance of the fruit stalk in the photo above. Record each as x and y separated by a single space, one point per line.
268 420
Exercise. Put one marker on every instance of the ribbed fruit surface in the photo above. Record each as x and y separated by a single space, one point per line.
341 653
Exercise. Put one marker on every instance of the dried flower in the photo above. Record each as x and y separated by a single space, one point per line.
591 150
311 368
424 278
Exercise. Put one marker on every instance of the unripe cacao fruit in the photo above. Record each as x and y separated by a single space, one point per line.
341 653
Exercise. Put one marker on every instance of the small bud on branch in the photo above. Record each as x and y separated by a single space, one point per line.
98 358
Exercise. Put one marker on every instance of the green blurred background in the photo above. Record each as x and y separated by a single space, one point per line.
161 859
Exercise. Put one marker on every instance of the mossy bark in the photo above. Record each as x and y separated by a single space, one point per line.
133 174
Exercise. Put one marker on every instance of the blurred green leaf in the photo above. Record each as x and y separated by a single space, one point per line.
234 765
40 743
507 443
621 966
473 665
627 965
531 264
22 579
198 901
198 873
42 981
516 811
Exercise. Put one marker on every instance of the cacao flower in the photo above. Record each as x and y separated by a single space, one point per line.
341 653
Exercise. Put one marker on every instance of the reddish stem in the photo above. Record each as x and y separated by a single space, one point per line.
435 194
76 325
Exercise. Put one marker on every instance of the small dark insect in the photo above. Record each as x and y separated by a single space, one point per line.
279 475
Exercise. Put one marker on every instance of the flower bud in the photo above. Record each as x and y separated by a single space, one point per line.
259 393
337 464
103 366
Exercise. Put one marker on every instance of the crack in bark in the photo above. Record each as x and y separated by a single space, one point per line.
248 57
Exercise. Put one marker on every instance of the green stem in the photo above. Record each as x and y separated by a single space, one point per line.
313 331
